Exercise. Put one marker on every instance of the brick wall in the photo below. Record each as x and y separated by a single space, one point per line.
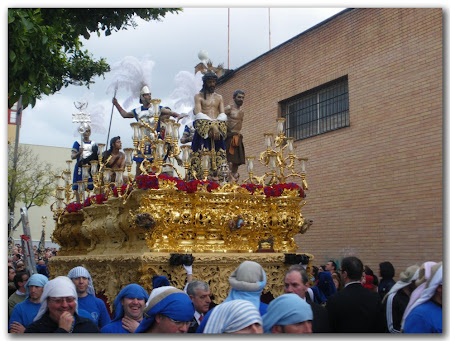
375 188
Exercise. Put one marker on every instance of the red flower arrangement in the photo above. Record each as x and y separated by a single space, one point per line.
251 187
98 199
73 207
275 190
151 181
147 182
123 189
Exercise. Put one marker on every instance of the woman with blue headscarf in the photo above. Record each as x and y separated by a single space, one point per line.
169 310
325 288
129 310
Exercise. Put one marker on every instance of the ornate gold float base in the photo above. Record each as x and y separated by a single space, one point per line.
111 273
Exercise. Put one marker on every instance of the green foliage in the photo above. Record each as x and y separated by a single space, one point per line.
30 182
45 52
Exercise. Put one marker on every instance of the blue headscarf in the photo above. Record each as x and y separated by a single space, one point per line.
170 302
324 288
37 280
160 281
130 291
247 283
286 309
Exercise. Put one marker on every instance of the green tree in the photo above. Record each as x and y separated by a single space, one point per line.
30 181
45 52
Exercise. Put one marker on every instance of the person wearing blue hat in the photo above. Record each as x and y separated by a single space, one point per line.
24 312
160 281
129 309
288 313
170 310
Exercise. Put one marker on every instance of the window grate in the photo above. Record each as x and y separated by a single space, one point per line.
318 110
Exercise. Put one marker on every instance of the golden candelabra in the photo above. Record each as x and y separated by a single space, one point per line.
274 159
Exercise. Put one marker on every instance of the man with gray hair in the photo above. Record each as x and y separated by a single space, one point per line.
296 282
200 295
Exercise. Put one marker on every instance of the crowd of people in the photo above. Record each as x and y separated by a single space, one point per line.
336 299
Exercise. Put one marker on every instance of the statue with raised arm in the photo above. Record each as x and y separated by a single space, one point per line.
145 112
233 142
210 128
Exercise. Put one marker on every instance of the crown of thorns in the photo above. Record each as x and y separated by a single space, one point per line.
209 75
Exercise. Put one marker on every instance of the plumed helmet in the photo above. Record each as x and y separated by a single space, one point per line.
145 90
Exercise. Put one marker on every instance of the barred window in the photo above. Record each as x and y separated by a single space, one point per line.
318 110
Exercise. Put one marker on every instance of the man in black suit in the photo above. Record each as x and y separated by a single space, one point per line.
296 282
354 309
200 295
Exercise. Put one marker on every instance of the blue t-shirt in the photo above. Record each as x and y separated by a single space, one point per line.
24 313
114 328
97 309
425 318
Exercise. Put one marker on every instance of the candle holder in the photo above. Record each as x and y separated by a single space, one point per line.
206 156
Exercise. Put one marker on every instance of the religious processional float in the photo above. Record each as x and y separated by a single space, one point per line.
127 231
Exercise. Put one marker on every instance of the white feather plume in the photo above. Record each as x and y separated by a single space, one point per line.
131 74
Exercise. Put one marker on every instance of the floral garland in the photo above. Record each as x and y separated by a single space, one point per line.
151 181
74 207
275 190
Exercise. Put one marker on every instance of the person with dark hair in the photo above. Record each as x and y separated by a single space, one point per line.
387 273
333 269
210 128
17 257
354 309
369 271
117 160
233 142
20 280
11 286
23 313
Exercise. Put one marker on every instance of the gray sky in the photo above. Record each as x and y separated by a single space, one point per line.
173 45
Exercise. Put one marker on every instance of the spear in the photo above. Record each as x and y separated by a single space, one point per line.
112 111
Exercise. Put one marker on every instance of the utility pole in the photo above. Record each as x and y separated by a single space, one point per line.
228 39
270 44
16 148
